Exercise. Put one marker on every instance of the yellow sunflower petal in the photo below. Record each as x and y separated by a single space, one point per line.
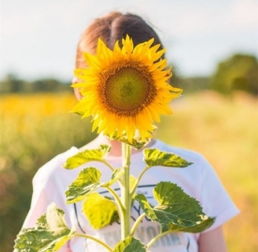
156 55
117 48
161 64
127 45
103 52
91 60
148 43
85 74
138 50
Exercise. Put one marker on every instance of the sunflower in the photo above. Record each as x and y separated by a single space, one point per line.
126 89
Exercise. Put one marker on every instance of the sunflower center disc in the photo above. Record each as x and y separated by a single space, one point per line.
127 90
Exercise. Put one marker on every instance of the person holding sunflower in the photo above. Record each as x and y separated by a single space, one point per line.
122 80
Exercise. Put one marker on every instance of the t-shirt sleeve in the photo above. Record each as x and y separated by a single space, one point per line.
45 191
215 200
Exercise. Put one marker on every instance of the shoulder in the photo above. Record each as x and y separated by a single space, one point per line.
190 178
206 184
52 168
196 158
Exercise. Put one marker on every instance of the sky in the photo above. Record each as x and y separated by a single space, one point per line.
38 38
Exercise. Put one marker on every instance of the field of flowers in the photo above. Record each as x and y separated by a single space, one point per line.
34 128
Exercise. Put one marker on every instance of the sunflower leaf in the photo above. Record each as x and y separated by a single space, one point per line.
99 210
130 244
146 206
176 211
33 239
155 157
87 181
87 156
56 244
49 234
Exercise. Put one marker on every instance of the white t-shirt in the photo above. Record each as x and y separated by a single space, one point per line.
198 180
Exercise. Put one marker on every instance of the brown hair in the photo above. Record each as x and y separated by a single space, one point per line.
111 28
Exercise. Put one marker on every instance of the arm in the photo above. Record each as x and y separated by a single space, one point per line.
212 241
217 203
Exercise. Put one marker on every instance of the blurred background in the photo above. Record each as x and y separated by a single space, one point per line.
212 46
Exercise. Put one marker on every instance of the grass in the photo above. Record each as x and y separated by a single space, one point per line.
34 128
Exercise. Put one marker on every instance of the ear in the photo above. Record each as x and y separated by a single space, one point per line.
77 93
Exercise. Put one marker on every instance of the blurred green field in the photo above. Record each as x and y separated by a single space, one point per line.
34 128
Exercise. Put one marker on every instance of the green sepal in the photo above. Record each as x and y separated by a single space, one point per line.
99 211
155 157
49 234
87 181
176 211
130 244
87 156
136 143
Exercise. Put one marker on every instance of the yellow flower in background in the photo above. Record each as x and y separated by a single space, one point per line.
126 89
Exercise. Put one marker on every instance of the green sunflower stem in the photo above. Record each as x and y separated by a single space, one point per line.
156 238
94 239
125 192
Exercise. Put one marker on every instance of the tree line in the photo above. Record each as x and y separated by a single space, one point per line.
13 84
237 72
